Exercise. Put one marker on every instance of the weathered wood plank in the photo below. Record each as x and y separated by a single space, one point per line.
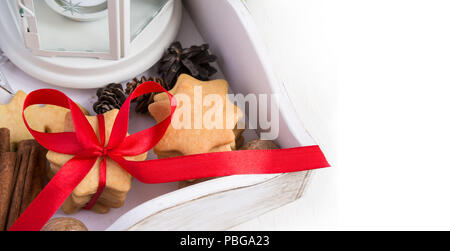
225 209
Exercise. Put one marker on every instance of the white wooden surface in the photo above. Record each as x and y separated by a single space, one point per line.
390 61
297 40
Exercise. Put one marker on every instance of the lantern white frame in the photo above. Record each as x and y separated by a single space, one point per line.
119 31
90 70
31 34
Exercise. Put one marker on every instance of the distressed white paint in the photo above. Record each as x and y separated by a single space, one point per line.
217 209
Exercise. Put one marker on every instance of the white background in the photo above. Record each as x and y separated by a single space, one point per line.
370 80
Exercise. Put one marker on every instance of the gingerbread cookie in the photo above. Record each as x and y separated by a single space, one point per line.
199 137
46 118
118 181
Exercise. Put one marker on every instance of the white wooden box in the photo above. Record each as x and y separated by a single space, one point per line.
221 203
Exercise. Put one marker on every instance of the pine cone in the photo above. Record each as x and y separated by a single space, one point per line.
194 61
109 98
145 100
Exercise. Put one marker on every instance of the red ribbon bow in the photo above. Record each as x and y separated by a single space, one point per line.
86 148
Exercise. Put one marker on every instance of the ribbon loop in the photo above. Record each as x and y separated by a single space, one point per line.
145 140
66 142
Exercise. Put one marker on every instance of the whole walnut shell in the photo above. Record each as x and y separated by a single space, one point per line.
260 145
64 224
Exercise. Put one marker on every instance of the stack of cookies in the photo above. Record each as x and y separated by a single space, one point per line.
118 181
190 136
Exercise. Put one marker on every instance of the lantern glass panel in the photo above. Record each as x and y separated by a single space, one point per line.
75 26
142 12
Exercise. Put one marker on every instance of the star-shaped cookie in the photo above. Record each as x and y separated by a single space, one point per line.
46 118
118 181
197 137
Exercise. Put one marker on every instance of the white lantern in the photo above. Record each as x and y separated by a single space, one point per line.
87 43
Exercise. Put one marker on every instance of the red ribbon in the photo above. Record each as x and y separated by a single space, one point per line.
102 170
86 148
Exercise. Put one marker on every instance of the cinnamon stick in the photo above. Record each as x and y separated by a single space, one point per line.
40 174
7 180
4 140
23 155
30 178
32 168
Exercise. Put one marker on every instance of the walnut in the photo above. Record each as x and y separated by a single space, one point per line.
260 145
64 224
